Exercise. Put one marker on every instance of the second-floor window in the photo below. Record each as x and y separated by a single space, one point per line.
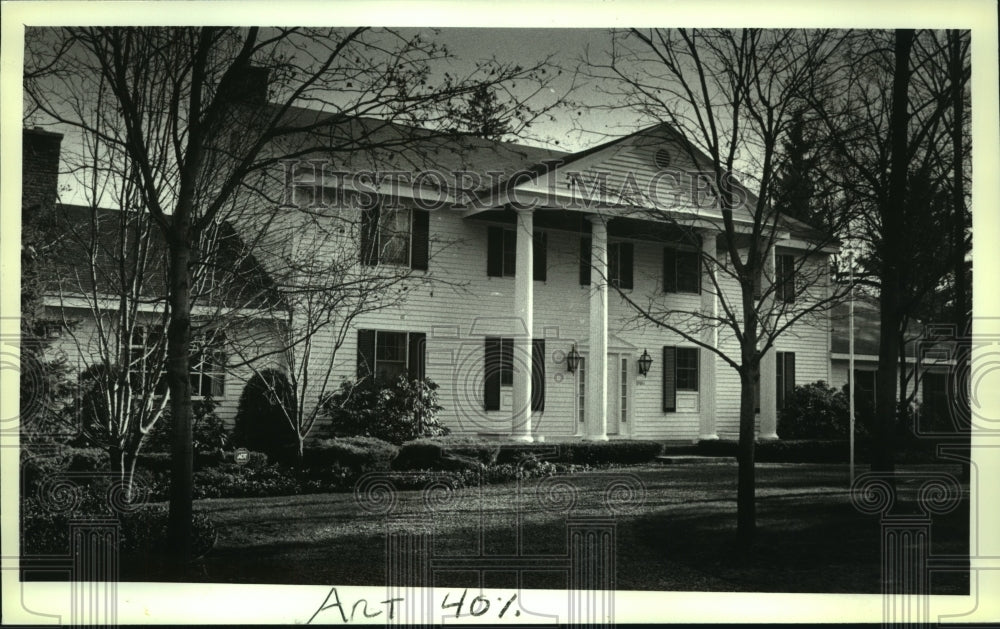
395 235
681 271
620 263
501 253
784 277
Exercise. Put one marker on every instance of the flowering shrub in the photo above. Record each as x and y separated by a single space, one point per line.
396 410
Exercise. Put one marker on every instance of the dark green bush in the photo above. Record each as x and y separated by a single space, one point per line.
361 454
446 453
624 452
396 410
142 531
88 460
815 411
208 430
262 416
789 450
216 458
53 461
236 482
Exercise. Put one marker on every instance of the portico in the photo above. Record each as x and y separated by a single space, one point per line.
591 387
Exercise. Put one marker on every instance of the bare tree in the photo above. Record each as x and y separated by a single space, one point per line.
896 160
190 109
323 289
730 99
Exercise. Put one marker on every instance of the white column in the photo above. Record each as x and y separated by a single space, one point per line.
524 312
710 337
597 359
769 368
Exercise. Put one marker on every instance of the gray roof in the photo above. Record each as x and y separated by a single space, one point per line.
77 234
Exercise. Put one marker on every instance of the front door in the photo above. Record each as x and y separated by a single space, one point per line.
618 406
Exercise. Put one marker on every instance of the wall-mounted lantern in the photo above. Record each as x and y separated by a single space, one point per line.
573 359
645 361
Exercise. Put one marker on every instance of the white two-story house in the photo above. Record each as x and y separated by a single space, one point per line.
521 265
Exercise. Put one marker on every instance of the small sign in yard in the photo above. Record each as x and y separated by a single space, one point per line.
242 456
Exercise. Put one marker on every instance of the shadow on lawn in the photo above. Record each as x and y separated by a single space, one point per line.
802 546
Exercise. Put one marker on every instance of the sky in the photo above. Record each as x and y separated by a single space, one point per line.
575 127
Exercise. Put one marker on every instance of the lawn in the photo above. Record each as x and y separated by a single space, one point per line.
810 537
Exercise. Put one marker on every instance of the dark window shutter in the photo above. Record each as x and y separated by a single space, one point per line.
494 252
417 355
509 258
420 239
787 275
625 259
366 353
540 249
789 375
669 270
369 236
696 359
688 278
669 379
491 380
585 261
538 374
697 272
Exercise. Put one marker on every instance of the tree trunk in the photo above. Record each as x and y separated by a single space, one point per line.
179 529
746 505
893 256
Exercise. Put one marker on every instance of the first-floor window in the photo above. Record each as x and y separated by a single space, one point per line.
581 389
499 371
624 390
389 354
147 348
208 369
680 373
207 361
785 377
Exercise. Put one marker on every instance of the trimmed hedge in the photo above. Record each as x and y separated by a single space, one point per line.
789 450
624 452
443 453
360 454
452 454
142 532
63 458
159 462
